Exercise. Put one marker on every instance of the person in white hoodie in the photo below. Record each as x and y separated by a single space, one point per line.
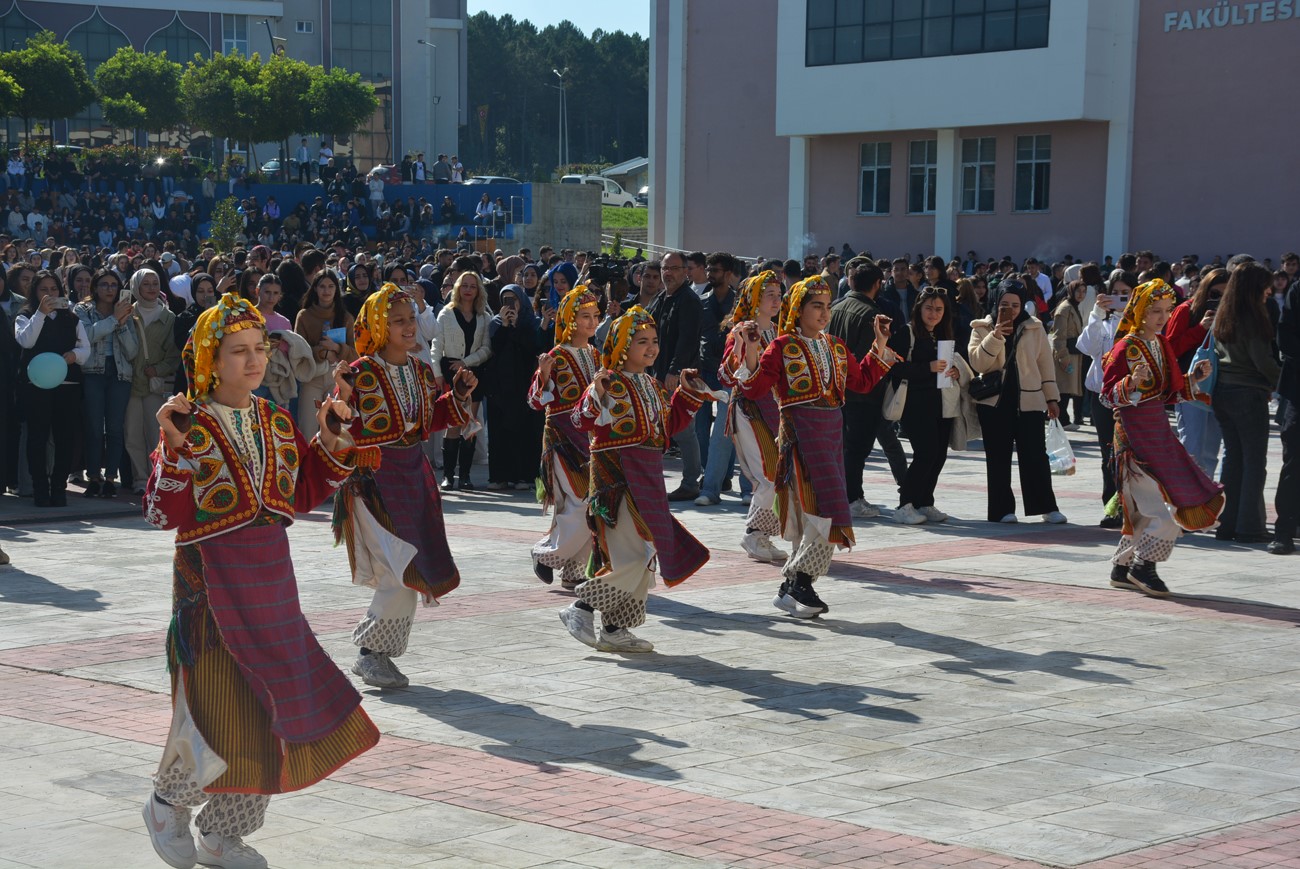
1096 340
461 341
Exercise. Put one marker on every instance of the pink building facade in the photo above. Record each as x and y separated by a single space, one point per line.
1007 127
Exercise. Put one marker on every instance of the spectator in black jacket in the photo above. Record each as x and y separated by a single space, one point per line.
1287 499
718 452
677 312
852 321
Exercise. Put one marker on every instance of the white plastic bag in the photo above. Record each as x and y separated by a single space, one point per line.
1059 453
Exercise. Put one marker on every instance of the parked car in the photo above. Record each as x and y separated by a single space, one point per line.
492 179
271 168
610 191
390 173
643 197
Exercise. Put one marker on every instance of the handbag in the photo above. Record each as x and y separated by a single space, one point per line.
1207 352
896 396
984 386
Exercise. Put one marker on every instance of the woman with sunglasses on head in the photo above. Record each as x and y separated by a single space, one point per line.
1009 348
929 410
322 312
106 385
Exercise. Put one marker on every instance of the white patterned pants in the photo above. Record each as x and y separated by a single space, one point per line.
226 814
761 518
811 536
567 546
620 594
1154 528
386 627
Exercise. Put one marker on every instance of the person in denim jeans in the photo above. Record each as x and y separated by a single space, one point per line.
106 387
1248 373
717 452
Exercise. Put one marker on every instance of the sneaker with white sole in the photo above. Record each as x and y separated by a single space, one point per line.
806 603
864 510
581 625
623 640
783 601
169 831
934 514
374 672
230 852
909 515
1009 519
1056 517
397 674
758 546
707 501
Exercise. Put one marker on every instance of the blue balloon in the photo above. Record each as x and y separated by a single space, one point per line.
47 370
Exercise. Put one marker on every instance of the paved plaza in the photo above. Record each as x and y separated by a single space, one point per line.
976 697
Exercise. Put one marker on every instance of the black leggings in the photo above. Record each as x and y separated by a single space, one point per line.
1026 432
51 412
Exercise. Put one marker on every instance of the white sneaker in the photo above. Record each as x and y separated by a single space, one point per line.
1074 426
909 515
373 671
707 501
215 849
758 546
1009 519
581 625
1056 517
169 831
623 640
397 674
934 514
863 510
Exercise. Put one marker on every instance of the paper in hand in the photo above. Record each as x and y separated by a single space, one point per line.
946 350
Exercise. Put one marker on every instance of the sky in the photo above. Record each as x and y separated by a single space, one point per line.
630 16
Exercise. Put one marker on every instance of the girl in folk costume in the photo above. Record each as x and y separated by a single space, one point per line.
810 372
563 375
631 420
752 422
390 512
258 708
1161 487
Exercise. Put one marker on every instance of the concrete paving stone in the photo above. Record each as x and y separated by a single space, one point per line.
926 818
1050 843
1233 779
1193 800
1133 822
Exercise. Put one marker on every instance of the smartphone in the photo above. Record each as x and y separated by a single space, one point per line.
1123 302
126 296
62 303
1005 316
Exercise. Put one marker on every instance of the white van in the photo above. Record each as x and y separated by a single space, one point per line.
610 191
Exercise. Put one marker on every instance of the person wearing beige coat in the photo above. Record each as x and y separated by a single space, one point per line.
1067 325
1017 349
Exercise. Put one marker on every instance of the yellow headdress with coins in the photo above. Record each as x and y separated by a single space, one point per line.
620 335
1136 310
575 300
799 294
229 315
371 327
751 294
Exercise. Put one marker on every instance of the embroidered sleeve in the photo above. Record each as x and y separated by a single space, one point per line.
168 499
754 384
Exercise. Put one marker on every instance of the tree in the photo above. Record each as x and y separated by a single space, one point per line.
11 93
223 95
339 102
140 89
52 77
226 224
284 83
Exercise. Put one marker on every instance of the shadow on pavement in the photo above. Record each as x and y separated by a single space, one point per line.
676 613
19 586
907 586
522 727
767 690
989 662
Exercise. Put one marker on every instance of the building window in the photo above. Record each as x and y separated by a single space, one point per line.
873 183
977 174
922 176
178 42
863 31
1033 172
363 38
234 34
96 41
305 27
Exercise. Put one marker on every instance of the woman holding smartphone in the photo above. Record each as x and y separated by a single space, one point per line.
515 452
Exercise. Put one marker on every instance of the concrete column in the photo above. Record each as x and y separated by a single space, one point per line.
675 129
1119 139
947 197
797 228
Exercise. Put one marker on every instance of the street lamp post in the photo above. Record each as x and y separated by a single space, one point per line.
563 155
432 147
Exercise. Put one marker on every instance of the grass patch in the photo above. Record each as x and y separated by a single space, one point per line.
613 217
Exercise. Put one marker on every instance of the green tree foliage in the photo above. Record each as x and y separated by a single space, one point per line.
339 102
283 85
226 224
509 70
52 77
140 89
223 95
11 93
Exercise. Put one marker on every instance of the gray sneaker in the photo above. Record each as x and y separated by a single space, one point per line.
581 625
169 831
397 674
623 640
375 672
